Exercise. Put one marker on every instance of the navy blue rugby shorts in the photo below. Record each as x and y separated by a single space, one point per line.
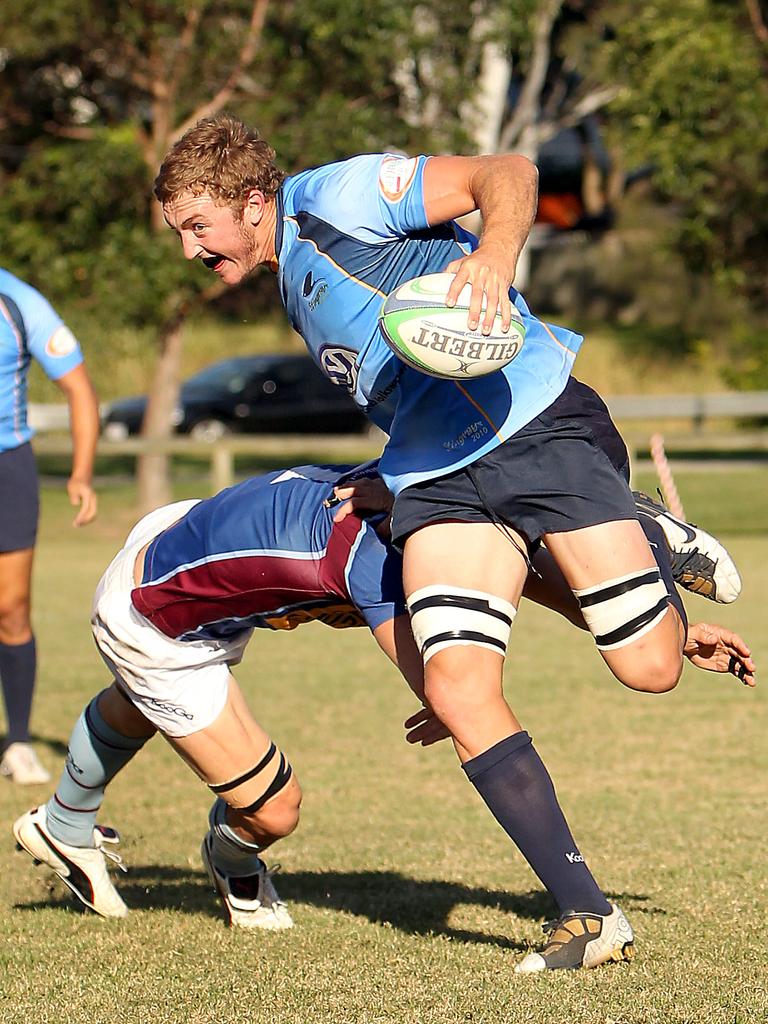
566 469
19 499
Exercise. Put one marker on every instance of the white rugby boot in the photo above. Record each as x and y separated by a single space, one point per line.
700 563
251 901
81 869
21 765
582 940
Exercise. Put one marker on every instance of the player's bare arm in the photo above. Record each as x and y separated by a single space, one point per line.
504 189
84 427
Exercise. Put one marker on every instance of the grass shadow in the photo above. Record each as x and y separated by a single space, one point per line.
412 906
423 907
144 887
56 746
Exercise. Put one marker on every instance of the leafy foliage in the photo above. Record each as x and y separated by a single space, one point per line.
91 92
75 221
83 83
694 103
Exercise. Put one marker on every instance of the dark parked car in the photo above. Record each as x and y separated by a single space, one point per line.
249 394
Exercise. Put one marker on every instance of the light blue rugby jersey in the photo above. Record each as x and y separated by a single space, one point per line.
348 234
44 337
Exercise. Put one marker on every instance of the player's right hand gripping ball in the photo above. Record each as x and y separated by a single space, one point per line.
435 339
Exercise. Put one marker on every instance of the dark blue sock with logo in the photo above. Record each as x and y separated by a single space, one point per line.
96 753
18 664
516 787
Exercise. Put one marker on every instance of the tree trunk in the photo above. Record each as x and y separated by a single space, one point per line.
166 75
152 469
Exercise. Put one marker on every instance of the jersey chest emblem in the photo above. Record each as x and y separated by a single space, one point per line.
340 366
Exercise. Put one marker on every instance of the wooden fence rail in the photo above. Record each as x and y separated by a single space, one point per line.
687 422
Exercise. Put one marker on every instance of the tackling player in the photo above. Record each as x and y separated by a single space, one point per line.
482 470
174 612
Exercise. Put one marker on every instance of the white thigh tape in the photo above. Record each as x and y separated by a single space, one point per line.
443 616
620 611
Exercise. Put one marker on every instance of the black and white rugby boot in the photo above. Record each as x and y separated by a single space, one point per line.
251 900
82 869
700 563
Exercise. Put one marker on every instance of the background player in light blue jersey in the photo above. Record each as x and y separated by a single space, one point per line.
482 471
31 329
175 610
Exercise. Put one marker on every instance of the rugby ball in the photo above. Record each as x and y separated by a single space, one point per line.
435 339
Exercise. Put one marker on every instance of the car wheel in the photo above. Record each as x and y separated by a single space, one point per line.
209 430
114 431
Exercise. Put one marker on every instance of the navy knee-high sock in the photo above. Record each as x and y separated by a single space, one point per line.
18 664
515 785
657 539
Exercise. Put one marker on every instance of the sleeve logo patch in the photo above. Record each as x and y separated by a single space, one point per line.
396 175
61 342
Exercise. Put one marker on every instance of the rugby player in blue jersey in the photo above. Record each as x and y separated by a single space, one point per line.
175 610
482 471
31 329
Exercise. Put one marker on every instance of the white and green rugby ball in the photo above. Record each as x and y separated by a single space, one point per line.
435 339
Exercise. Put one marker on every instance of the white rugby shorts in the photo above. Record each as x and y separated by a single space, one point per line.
181 687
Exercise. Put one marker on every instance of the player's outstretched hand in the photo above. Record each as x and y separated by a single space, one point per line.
718 649
368 494
425 728
82 494
490 270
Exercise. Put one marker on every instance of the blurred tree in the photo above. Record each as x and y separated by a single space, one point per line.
533 98
93 92
115 85
694 103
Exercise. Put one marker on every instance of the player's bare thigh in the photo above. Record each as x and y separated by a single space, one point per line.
230 748
609 551
463 683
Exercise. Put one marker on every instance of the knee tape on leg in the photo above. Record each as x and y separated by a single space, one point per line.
620 611
262 782
443 616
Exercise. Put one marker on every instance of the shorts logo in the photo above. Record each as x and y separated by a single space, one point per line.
340 367
61 342
396 175
169 709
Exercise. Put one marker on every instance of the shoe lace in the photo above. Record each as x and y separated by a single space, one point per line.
551 926
693 561
116 859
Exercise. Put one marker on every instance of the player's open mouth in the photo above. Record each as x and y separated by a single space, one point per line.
213 262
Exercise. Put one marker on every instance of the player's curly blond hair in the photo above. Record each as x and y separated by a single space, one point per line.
222 156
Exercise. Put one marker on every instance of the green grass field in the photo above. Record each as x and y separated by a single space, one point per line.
409 904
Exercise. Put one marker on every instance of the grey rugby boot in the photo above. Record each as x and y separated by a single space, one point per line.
700 563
